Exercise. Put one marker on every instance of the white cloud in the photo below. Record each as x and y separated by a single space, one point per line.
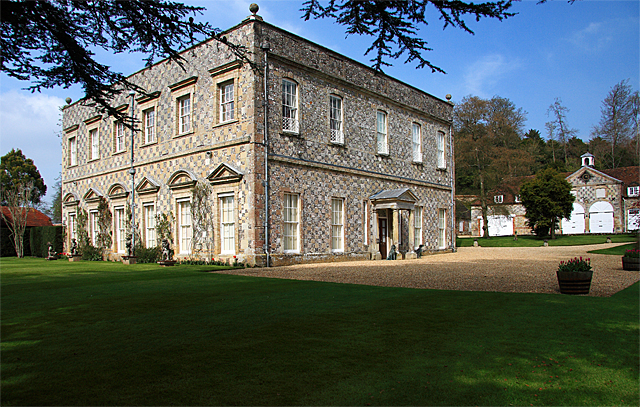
31 122
593 37
481 76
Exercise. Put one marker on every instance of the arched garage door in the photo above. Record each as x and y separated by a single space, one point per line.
575 224
601 218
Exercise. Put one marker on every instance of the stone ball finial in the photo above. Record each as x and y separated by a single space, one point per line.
448 96
254 8
68 100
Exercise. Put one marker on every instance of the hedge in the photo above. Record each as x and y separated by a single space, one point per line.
41 236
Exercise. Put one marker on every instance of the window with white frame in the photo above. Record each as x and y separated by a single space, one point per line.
73 151
417 236
72 226
382 140
442 163
227 105
149 126
121 233
290 106
149 219
441 229
118 142
227 225
95 229
417 143
335 119
633 191
337 225
498 198
291 223
94 141
184 225
184 114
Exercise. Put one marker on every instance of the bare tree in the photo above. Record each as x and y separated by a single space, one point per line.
562 131
19 201
619 118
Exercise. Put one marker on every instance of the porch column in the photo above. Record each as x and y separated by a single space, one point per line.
396 232
411 254
375 245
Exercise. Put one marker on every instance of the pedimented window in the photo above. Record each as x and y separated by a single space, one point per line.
117 191
92 195
224 174
182 179
147 186
70 199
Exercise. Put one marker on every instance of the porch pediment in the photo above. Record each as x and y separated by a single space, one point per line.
401 198
224 174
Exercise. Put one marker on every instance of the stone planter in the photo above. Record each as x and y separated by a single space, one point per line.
631 263
571 282
75 257
129 260
166 263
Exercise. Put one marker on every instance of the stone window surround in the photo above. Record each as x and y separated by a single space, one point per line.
418 226
221 76
220 197
115 123
180 91
218 191
145 227
73 150
93 124
295 130
179 198
416 156
70 133
340 135
343 217
441 159
145 104
386 133
299 230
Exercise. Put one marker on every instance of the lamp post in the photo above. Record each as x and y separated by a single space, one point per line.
132 171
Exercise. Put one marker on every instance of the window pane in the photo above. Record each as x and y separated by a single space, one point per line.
227 225
150 119
417 143
337 226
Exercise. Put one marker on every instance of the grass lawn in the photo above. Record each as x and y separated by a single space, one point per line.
534 241
617 251
107 334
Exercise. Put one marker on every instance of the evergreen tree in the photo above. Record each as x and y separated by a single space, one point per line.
547 200
16 171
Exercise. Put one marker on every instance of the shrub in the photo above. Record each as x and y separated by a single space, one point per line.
91 253
575 265
148 255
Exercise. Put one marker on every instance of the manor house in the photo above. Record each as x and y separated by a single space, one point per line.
310 156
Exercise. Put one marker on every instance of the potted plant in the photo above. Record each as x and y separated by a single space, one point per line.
631 260
574 276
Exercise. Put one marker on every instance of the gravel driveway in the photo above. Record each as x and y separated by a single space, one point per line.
517 269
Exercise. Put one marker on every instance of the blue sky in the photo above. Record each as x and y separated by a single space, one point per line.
575 52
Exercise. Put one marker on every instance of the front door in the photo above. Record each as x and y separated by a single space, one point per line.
382 242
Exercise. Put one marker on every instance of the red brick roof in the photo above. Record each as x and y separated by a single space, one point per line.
628 175
34 218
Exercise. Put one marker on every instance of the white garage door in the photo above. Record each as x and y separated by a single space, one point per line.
575 224
633 219
601 218
499 225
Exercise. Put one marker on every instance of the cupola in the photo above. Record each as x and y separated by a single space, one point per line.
588 160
